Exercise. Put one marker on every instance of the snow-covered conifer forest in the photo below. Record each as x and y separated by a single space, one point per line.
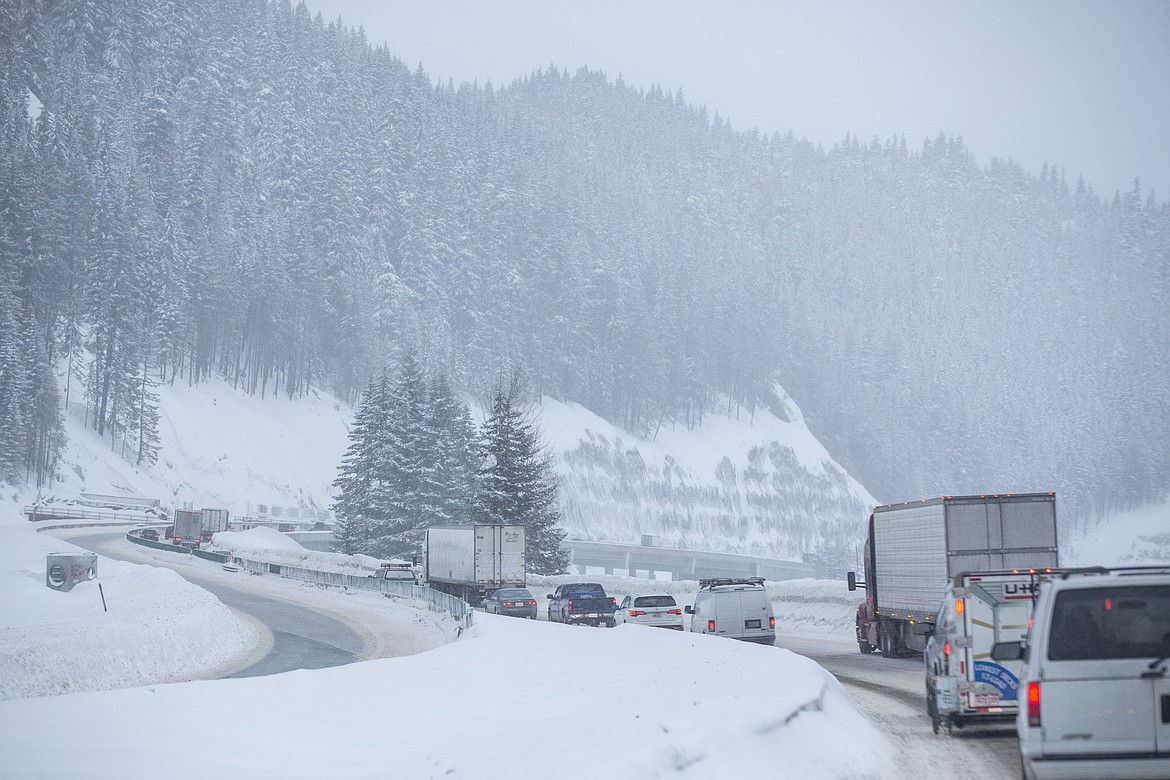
237 188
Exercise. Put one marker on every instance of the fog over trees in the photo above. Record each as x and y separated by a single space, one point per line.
237 187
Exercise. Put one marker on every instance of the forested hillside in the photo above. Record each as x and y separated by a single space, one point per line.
236 187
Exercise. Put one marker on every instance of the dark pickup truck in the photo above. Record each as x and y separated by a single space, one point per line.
582 602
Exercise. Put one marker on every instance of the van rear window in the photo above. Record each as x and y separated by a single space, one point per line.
1112 622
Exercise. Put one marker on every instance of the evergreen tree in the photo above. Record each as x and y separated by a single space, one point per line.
519 485
455 452
404 467
355 506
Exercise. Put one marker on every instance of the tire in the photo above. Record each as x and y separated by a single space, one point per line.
932 710
865 647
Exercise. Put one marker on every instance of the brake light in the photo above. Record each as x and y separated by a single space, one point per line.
772 623
947 649
532 603
960 605
636 613
570 605
1034 704
507 603
711 625
674 611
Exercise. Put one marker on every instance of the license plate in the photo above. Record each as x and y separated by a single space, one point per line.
751 624
985 699
593 615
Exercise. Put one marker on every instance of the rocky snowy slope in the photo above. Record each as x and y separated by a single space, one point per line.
759 484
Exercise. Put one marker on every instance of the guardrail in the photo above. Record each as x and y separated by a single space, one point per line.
435 600
39 513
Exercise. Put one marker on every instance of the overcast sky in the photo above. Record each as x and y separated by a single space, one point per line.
1084 84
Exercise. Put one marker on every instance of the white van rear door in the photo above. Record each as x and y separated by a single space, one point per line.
1093 696
1097 714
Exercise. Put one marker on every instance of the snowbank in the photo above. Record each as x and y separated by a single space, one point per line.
152 627
514 699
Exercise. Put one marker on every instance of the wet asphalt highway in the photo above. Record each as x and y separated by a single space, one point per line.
302 638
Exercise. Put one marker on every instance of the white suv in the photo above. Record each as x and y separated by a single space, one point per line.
1095 688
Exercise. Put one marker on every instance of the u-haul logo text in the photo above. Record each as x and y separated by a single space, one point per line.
1020 590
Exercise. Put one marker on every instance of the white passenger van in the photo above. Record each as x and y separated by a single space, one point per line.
1095 684
736 608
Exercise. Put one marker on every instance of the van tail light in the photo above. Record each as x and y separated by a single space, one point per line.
1034 704
772 623
960 606
947 649
711 625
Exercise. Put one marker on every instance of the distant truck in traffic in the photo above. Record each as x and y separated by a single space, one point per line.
214 521
470 561
188 527
583 603
914 550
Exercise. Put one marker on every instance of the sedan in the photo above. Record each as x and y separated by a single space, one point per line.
518 602
659 610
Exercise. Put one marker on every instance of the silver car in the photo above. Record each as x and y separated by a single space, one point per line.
1095 686
656 610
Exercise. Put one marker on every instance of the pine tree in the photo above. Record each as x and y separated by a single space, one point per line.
519 486
455 450
403 467
354 505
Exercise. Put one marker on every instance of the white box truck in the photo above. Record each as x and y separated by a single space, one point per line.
914 550
214 521
979 610
470 561
188 527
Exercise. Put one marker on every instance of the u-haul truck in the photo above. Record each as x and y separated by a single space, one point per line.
964 684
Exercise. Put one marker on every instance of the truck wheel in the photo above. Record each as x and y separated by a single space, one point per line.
932 710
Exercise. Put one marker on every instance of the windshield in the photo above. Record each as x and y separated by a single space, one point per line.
1131 621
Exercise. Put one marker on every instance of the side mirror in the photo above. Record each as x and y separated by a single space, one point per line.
549 596
851 579
689 609
1007 651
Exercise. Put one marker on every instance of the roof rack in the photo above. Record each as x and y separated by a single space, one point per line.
1123 571
715 582
1151 569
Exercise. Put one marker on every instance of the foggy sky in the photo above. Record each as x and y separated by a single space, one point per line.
1083 84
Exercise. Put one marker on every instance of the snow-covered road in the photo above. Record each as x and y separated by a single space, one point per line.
890 692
